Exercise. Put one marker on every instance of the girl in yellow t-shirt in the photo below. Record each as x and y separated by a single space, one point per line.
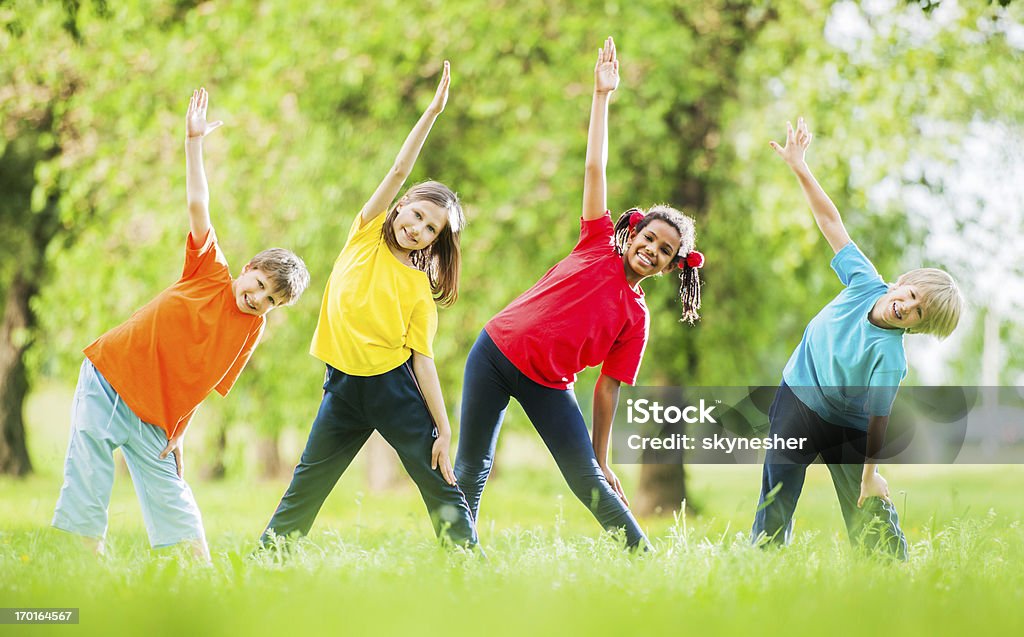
375 334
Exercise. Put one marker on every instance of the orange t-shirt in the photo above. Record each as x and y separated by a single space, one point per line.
189 340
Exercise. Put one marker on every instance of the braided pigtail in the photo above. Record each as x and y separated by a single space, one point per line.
689 285
688 260
624 226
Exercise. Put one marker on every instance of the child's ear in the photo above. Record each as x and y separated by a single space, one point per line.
247 267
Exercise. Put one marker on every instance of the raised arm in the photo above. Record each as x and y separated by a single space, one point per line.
196 127
826 215
406 159
606 80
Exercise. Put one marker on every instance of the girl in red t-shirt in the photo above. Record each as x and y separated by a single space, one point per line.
587 310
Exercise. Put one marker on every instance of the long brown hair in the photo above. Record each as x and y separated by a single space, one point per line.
442 259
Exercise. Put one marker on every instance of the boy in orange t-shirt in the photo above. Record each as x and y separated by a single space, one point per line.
141 382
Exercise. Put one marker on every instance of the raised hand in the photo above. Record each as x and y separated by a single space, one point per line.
196 125
606 71
797 142
388 188
441 96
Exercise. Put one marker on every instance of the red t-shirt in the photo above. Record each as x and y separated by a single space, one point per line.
186 342
581 313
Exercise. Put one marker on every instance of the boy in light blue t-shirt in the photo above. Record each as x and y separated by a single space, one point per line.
839 385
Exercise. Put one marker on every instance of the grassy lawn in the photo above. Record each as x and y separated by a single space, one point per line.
371 566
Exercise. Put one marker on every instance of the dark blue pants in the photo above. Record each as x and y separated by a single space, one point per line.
874 527
491 379
352 407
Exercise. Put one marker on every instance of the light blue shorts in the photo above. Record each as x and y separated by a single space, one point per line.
100 423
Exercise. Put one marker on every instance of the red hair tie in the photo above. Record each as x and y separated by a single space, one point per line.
693 259
635 218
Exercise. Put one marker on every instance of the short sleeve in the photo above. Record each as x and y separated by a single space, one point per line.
854 268
626 353
595 233
228 381
882 392
203 258
422 328
360 228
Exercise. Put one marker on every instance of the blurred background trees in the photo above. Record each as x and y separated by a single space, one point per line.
916 108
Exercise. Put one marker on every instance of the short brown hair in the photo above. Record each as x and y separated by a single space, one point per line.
285 270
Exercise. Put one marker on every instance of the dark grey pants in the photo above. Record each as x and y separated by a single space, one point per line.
352 407
875 527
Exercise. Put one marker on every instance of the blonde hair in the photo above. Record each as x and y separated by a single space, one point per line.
941 300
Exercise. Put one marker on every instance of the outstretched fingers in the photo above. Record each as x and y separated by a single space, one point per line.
441 95
803 133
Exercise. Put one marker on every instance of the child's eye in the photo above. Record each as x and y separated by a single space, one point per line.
431 228
272 301
666 252
912 295
261 283
419 216
920 314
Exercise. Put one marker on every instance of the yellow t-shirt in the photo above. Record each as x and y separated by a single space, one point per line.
376 310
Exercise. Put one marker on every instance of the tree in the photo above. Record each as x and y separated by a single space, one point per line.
33 218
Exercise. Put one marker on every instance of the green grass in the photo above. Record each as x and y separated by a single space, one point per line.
371 566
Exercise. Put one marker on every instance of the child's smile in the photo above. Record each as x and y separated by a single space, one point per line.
651 250
418 223
900 308
254 293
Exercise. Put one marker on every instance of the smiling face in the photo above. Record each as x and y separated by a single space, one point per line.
651 250
418 223
255 292
902 307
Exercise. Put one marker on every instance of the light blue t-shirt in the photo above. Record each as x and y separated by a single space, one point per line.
845 368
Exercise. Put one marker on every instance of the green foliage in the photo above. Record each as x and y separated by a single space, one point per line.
317 101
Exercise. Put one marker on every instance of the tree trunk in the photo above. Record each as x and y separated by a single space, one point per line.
217 469
269 456
662 489
382 471
696 128
15 335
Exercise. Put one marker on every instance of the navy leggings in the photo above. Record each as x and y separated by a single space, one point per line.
874 527
491 379
352 407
